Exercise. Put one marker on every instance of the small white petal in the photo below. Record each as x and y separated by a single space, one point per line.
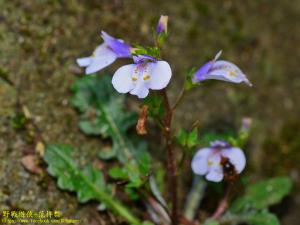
237 157
102 49
122 79
160 74
200 161
215 175
100 62
215 170
140 89
83 62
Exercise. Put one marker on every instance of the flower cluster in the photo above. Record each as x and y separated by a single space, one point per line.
147 72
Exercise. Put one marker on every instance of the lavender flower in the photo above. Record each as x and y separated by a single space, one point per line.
162 26
105 54
146 73
220 70
209 161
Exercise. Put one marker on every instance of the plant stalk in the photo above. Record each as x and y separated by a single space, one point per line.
171 163
223 204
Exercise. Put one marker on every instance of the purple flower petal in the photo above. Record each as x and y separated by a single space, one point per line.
219 144
143 59
117 45
162 25
200 74
101 58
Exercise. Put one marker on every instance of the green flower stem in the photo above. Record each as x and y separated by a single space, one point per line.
114 205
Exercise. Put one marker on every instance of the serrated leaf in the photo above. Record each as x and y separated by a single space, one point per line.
88 183
69 176
263 194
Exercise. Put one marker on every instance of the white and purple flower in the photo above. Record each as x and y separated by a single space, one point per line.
209 161
220 70
105 54
146 73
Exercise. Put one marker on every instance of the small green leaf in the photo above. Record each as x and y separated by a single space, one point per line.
263 194
192 139
188 139
211 222
182 137
118 173
262 218
188 84
155 104
148 50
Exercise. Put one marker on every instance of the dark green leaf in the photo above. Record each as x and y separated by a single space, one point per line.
262 218
263 194
72 178
118 173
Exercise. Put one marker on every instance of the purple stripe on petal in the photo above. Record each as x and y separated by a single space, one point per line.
143 58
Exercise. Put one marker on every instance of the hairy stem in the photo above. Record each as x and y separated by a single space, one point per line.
171 166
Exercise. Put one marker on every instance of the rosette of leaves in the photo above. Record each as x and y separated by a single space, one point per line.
102 113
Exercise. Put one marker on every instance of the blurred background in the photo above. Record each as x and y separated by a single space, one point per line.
40 40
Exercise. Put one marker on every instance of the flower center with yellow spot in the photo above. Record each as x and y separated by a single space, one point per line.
210 163
146 77
134 78
232 73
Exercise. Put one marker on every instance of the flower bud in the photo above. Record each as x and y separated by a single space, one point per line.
162 26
